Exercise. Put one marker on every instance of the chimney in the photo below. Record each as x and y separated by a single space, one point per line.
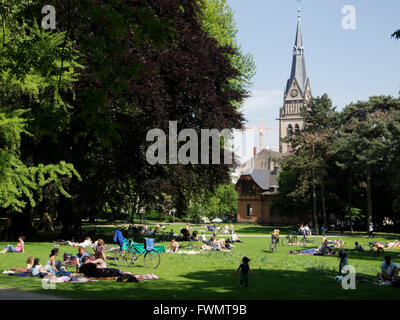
254 151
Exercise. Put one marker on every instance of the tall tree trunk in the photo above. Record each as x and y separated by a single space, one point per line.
350 194
324 205
369 197
315 218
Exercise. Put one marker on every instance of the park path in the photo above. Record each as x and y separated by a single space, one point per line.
12 294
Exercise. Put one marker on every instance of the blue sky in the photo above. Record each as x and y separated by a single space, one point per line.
348 65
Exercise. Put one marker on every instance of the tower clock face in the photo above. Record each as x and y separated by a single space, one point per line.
294 93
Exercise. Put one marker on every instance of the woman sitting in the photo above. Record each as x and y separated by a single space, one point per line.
174 247
53 266
194 236
18 248
100 250
36 269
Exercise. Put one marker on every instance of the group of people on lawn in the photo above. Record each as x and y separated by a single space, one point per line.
208 244
85 263
95 266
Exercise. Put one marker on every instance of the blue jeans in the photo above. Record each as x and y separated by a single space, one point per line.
10 248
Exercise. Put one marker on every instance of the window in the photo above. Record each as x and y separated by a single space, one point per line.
289 130
296 129
249 210
247 187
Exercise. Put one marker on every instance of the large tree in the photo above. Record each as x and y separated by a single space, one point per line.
118 70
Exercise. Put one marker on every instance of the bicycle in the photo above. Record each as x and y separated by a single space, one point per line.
131 251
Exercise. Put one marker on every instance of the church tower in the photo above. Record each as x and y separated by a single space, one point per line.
296 95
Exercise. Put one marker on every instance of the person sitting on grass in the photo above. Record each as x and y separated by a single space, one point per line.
388 270
307 230
36 269
174 247
204 239
29 262
338 243
357 248
99 252
53 266
79 256
343 260
18 248
194 236
235 238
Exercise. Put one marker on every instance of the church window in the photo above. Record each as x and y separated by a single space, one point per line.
296 129
290 130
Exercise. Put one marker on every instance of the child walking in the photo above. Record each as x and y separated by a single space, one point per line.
244 273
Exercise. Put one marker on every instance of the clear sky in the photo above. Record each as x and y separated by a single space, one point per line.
348 65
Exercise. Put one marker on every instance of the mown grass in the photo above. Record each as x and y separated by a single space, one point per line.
211 275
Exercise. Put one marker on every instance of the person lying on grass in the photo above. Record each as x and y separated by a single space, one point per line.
393 245
91 270
388 270
18 248
86 243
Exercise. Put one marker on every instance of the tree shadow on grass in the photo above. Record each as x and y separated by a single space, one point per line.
223 284
260 230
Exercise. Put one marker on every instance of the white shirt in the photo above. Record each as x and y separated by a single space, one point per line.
234 237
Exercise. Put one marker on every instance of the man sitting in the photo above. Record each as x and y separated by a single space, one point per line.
79 256
358 248
389 270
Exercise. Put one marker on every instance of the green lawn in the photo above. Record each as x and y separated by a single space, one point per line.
212 275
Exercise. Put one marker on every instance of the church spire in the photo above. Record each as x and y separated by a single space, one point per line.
298 72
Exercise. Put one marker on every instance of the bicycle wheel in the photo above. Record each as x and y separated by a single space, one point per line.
124 258
152 259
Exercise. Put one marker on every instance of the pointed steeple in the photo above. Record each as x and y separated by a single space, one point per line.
298 72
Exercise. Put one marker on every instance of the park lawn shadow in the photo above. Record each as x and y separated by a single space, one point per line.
223 284
260 230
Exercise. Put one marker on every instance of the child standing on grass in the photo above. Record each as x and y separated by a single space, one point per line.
244 273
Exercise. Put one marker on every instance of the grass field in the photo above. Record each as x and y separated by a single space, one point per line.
211 275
